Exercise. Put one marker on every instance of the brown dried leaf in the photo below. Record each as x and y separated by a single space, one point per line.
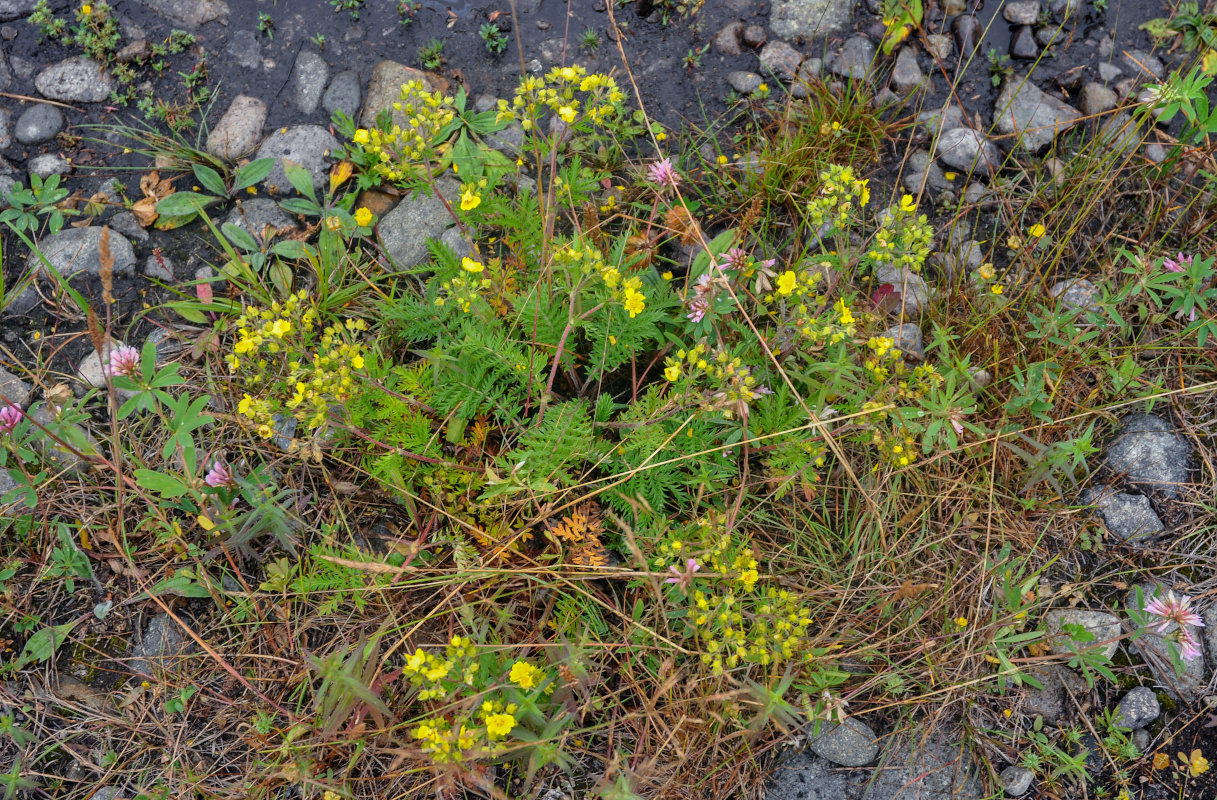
681 222
145 211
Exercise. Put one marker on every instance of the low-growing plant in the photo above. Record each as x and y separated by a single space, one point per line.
431 55
493 37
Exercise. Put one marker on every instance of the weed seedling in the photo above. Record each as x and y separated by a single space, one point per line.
431 56
319 40
266 25
494 38
589 42
406 11
692 59
353 6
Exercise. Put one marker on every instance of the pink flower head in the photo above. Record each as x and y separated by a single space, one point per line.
10 415
122 361
735 258
1179 263
1189 647
220 476
663 174
683 577
698 307
1171 608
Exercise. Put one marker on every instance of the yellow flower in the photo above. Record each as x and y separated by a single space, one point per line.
907 204
961 622
251 189
567 113
1008 713
661 136
470 200
332 223
244 406
635 302
672 373
1197 764
280 328
986 271
721 160
363 217
499 725
361 136
997 288
1014 241
667 276
469 265
525 675
949 175
787 281
86 9
1037 230
357 362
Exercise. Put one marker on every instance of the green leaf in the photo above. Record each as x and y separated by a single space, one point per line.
298 205
251 173
292 249
180 584
467 157
167 486
41 646
300 178
239 237
210 179
180 204
718 246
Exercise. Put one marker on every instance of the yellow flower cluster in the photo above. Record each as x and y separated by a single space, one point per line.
432 674
834 204
903 236
525 675
398 148
737 618
293 370
730 385
465 289
569 92
628 291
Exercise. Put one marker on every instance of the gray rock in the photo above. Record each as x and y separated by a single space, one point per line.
13 390
1104 626
1062 687
384 89
1156 650
914 293
1023 44
809 71
284 431
906 74
1026 12
965 149
939 46
780 59
240 129
306 145
76 250
1137 709
189 13
1148 452
509 141
744 82
39 123
6 128
1120 132
125 223
244 49
159 268
727 40
1210 632
255 214
923 173
1156 152
907 339
16 9
1037 118
75 80
343 94
164 643
308 80
485 102
404 231
1096 99
850 744
48 164
854 60
1066 8
961 258
63 457
936 121
755 37
794 19
968 33
953 7
1109 72
1016 780
22 68
804 776
1050 35
456 242
1142 65
924 769
1076 293
1128 516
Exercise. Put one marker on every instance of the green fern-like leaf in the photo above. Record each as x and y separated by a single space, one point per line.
559 448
